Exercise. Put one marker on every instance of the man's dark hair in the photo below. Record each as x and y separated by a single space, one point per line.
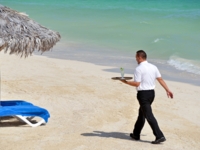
141 53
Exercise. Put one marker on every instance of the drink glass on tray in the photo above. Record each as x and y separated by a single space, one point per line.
122 72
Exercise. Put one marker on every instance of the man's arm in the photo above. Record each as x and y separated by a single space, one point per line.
132 83
137 77
164 85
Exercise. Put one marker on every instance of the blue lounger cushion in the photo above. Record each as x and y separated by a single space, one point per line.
24 110
14 103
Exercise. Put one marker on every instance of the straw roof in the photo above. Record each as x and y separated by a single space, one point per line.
20 35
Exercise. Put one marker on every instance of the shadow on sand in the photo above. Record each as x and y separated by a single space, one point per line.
117 135
13 122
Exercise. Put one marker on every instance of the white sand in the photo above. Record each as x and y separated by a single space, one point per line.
89 111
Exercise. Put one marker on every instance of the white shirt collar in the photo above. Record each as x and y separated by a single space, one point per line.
144 62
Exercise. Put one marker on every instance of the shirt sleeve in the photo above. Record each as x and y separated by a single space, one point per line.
157 73
137 75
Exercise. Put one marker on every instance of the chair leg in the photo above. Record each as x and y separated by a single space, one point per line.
24 119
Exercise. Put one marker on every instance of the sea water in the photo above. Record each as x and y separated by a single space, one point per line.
168 30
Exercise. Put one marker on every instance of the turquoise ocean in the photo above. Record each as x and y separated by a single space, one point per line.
168 30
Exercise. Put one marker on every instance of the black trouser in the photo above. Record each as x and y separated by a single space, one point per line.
145 99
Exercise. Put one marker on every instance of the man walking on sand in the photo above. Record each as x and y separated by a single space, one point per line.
144 80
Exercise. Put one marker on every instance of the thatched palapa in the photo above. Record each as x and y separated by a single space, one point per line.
21 35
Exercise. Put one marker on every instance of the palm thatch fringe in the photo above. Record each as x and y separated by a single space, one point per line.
21 35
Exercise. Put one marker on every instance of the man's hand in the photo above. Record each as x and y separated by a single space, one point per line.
170 94
164 85
124 81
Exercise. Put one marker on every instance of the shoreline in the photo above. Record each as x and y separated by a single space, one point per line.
89 110
117 59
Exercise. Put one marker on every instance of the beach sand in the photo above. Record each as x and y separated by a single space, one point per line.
89 111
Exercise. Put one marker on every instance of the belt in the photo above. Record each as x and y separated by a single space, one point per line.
145 90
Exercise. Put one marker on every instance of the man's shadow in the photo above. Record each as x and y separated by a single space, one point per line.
117 135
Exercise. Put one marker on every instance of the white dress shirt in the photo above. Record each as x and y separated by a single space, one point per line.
146 73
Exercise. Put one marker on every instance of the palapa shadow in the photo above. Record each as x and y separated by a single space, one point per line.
117 135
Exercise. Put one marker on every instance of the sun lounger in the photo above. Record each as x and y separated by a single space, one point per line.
24 111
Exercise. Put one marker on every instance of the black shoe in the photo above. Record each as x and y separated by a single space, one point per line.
134 137
162 139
